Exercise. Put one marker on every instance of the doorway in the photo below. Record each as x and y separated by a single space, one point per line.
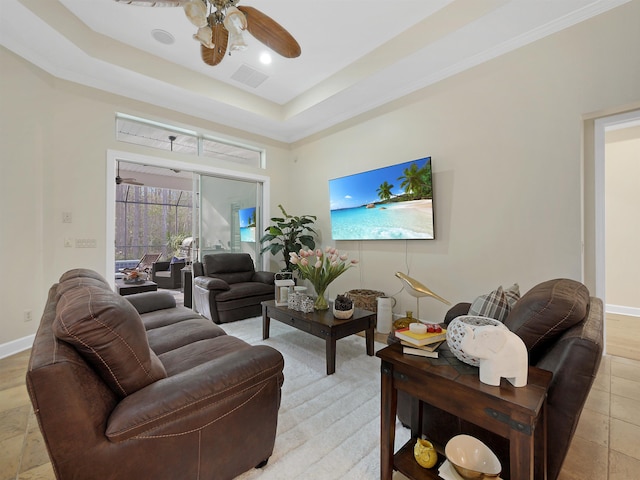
217 181
617 183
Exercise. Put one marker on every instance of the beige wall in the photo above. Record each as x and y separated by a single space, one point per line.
506 140
55 136
622 190
505 137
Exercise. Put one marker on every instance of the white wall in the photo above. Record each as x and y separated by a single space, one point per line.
622 187
506 142
505 137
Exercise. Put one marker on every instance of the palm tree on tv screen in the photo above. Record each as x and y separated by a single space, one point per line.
384 191
416 182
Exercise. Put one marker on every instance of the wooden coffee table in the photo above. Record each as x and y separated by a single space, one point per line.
322 324
130 288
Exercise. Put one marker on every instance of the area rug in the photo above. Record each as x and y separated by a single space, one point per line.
328 425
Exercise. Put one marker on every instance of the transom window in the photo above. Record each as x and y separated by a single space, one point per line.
170 138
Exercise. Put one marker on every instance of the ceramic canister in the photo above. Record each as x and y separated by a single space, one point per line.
385 314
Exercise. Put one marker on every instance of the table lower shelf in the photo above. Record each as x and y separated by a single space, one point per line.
405 463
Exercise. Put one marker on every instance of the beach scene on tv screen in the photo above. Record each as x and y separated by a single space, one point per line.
389 203
247 224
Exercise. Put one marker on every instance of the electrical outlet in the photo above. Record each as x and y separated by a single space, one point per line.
28 316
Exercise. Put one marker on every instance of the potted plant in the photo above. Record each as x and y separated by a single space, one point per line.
289 234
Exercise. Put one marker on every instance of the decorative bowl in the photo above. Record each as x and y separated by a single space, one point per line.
471 458
343 314
457 330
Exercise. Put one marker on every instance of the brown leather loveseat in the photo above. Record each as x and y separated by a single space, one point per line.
227 288
136 387
562 327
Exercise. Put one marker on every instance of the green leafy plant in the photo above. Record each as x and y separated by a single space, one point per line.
289 234
175 242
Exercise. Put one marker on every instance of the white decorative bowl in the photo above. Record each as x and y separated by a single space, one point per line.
471 458
457 330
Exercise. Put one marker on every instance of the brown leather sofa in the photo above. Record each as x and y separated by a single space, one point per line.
227 288
135 387
562 327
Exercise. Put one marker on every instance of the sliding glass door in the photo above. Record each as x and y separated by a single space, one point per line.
227 216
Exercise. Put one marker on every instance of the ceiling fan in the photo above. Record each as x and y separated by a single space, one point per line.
221 24
129 181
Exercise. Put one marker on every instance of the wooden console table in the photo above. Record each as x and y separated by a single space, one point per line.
513 413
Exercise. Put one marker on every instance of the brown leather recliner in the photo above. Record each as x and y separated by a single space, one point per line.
226 287
562 327
135 387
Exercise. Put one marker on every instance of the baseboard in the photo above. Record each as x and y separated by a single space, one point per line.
621 310
16 346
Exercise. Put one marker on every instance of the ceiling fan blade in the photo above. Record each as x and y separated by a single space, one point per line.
154 3
213 56
270 32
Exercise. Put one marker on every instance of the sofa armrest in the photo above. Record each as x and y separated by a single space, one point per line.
209 283
456 311
151 301
159 267
197 397
264 277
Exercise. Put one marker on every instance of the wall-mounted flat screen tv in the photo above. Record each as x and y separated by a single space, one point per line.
389 203
247 224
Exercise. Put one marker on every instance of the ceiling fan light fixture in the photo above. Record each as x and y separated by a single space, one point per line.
235 22
196 12
205 36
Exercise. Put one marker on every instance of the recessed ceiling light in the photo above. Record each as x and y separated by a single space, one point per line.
265 58
163 36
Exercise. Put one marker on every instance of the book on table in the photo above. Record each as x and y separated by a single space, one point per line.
420 352
421 339
432 347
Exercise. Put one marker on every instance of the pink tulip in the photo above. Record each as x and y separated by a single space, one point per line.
327 249
304 262
319 253
344 256
294 260
318 264
354 261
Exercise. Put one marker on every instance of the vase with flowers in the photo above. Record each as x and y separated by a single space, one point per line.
321 268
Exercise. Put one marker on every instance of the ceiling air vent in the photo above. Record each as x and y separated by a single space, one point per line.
247 75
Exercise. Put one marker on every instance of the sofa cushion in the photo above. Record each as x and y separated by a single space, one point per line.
230 267
546 311
108 332
512 294
493 305
169 337
151 301
82 273
244 290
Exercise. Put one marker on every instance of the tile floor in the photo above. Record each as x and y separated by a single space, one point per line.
606 445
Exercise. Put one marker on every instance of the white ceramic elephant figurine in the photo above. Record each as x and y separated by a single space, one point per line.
502 353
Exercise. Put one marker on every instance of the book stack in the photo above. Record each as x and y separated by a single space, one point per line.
421 344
